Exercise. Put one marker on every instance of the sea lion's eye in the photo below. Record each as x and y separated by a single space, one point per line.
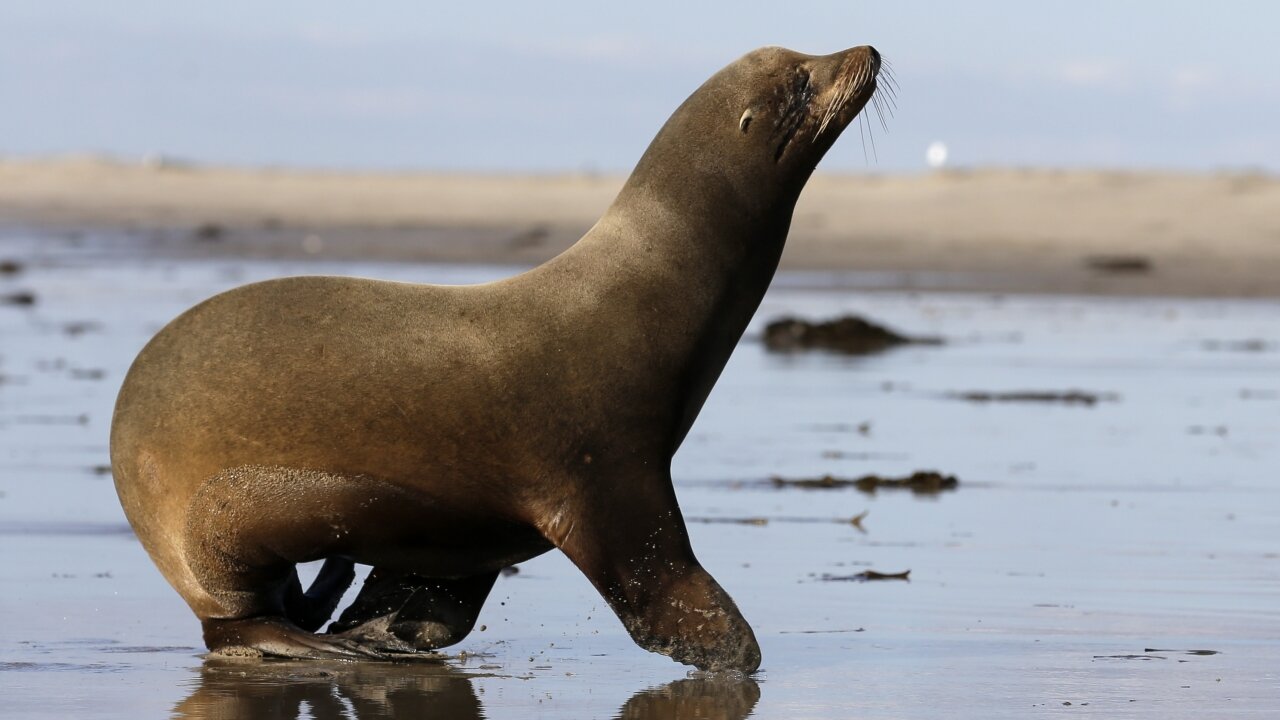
745 121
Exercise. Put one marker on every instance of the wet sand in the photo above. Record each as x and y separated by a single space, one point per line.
1116 559
1119 233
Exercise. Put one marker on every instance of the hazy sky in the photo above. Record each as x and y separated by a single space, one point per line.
584 85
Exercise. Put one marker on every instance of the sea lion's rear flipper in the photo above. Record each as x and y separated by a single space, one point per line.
404 612
277 637
312 609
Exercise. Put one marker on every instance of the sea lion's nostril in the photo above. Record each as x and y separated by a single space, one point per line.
875 54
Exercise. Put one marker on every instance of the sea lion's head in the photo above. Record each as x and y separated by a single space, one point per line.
794 106
755 130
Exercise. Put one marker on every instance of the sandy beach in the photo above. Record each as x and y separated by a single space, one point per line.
1006 230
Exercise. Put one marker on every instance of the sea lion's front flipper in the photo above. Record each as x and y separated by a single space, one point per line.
277 637
634 549
404 612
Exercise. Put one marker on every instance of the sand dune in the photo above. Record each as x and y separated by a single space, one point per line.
994 229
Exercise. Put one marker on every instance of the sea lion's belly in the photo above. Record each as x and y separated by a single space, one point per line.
452 527
452 550
444 531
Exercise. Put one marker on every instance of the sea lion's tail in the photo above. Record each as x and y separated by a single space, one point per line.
312 609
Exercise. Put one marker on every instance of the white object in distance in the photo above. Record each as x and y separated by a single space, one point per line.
936 155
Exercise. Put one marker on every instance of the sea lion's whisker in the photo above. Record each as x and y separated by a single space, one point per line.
838 99
852 78
826 119
888 105
886 71
828 114
886 101
875 102
865 159
871 134
890 86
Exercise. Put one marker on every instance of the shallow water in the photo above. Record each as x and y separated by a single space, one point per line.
1123 557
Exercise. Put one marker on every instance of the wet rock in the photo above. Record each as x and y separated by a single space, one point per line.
921 482
851 455
1119 264
851 335
1129 657
209 232
22 298
761 521
1066 397
81 419
1219 430
80 327
867 576
1246 345
855 521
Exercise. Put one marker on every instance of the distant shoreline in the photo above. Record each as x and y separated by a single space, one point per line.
992 230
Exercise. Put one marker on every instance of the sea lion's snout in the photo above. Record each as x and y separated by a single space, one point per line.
850 80
854 70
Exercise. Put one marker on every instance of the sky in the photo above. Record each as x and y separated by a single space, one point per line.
583 86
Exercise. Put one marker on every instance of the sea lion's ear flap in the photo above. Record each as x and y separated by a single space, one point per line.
744 122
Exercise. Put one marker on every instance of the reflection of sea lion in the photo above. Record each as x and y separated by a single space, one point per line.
233 688
442 433
236 689
711 698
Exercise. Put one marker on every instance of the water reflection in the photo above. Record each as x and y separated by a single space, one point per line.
325 690
702 698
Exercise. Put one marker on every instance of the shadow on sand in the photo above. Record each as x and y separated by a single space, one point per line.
287 689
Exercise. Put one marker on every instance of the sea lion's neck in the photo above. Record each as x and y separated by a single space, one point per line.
689 270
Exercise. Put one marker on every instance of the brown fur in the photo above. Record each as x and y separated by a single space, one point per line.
442 433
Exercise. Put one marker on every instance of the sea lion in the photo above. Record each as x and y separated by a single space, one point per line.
440 434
